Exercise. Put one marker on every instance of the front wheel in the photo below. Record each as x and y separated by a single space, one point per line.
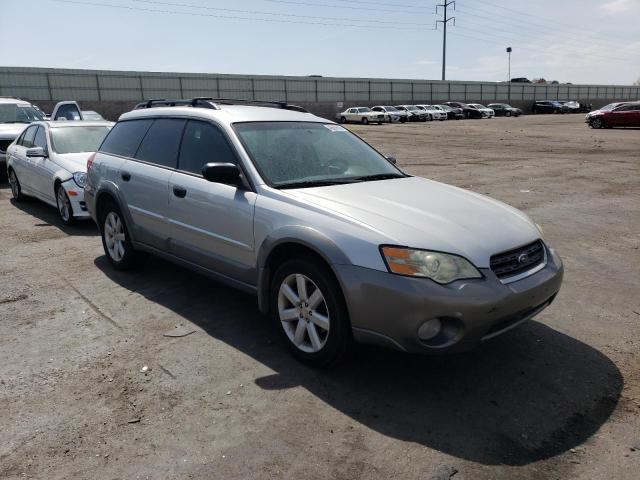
365 121
507 114
16 190
343 120
65 210
597 123
116 240
309 310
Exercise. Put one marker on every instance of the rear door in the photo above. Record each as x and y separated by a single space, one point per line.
211 223
149 148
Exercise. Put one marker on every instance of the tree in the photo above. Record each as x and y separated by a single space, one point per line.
637 82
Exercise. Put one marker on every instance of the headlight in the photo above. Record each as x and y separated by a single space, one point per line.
439 267
80 178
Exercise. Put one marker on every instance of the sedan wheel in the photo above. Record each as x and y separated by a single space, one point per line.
16 191
597 123
64 206
365 121
303 313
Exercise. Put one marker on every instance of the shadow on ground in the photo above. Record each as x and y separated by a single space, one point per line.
48 216
528 395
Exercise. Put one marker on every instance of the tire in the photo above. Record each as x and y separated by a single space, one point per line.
65 209
365 121
14 183
343 120
430 118
121 254
302 326
597 123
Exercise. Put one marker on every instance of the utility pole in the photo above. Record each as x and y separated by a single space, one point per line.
509 50
445 20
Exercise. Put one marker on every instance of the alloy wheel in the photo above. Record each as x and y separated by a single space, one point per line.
15 186
114 236
303 312
64 204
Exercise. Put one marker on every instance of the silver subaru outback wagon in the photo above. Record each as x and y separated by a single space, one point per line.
336 242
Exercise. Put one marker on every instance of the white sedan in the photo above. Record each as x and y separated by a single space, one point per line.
48 161
433 112
361 115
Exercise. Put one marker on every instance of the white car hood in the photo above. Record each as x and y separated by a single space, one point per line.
72 162
421 213
10 131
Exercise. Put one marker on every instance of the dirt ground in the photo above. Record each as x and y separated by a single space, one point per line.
557 398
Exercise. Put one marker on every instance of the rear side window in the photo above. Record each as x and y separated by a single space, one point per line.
125 137
203 143
161 143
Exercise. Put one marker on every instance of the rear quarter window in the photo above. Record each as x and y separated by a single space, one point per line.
125 137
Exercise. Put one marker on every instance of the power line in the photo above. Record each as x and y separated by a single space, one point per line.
316 4
226 17
257 12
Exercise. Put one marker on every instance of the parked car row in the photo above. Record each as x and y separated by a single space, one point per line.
424 113
559 106
336 242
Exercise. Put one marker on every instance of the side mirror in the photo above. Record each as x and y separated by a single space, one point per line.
226 173
36 152
391 159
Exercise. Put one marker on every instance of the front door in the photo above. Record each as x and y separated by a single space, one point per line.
211 223
42 168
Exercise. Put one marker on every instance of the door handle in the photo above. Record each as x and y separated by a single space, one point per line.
126 176
179 192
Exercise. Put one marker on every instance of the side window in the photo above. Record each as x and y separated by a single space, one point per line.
68 112
160 144
27 141
40 140
125 137
203 143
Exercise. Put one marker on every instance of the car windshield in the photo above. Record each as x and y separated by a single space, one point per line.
305 154
479 105
16 113
78 139
364 110
391 109
413 108
446 108
609 107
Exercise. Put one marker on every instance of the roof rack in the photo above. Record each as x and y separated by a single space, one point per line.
213 103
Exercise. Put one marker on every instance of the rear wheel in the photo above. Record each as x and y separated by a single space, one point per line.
116 239
309 310
65 210
16 190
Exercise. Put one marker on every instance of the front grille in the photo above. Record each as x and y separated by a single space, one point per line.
518 260
4 144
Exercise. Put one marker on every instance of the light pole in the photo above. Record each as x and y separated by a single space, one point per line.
509 74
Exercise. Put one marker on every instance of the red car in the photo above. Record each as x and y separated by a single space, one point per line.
625 114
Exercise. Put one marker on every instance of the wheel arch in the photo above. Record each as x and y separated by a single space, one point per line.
110 193
294 242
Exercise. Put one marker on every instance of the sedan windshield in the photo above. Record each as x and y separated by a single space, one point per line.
16 113
446 108
305 154
77 139
391 109
364 110
609 107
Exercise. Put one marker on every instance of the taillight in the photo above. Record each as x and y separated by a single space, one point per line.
90 161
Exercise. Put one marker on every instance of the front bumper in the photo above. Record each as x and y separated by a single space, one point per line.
76 197
388 310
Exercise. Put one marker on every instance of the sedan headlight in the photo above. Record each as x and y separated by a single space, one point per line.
80 178
439 267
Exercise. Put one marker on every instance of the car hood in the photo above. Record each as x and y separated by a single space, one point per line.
421 213
73 162
9 131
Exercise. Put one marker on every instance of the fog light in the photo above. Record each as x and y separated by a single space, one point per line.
429 329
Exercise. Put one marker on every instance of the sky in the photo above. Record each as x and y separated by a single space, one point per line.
578 41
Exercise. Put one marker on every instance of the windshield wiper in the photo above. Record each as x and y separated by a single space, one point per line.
315 183
18 121
380 176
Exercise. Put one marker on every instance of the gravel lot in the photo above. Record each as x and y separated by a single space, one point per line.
558 398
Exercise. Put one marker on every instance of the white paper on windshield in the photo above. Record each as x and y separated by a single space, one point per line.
335 128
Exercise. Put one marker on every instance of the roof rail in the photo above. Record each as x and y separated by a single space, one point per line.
202 102
213 103
264 103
